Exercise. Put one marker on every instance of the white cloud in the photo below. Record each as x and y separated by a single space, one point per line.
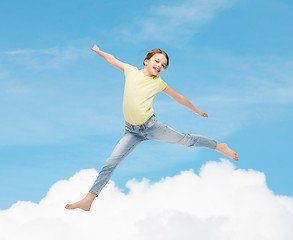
236 91
70 110
43 107
51 51
192 11
44 112
221 202
41 59
171 22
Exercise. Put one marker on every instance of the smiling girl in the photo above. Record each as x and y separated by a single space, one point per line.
141 86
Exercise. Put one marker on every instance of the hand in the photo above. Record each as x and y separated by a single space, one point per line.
95 48
203 114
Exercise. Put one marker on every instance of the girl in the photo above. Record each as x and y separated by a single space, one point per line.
141 86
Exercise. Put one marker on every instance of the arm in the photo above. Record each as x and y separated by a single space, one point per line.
109 58
183 101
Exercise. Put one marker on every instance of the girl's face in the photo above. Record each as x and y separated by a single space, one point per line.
155 65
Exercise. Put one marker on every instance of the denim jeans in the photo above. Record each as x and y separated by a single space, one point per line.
135 134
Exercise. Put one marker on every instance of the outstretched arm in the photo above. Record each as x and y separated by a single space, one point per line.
109 58
183 101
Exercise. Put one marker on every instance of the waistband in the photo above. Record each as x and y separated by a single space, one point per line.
147 124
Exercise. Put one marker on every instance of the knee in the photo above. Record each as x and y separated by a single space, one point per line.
114 160
189 139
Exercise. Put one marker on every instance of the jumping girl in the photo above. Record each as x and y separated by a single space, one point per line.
141 86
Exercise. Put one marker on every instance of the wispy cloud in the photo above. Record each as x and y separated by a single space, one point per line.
40 59
254 79
236 92
173 22
220 202
244 93
44 112
52 51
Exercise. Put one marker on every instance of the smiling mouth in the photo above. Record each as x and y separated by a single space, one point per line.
157 69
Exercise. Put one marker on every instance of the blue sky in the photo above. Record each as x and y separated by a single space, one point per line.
61 104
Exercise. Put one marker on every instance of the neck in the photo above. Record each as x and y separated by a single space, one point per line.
146 72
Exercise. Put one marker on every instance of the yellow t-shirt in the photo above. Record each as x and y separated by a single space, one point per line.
139 93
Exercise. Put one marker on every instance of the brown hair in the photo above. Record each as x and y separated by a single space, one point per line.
155 51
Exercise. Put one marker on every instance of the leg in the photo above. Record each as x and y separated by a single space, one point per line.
164 133
122 149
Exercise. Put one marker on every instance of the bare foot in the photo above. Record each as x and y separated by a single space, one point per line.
224 149
84 204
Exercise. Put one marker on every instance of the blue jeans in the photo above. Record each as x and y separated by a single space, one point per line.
135 134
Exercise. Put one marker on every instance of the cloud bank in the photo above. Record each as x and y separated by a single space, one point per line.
221 202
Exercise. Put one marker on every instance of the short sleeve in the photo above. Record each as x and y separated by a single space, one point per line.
162 85
129 70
